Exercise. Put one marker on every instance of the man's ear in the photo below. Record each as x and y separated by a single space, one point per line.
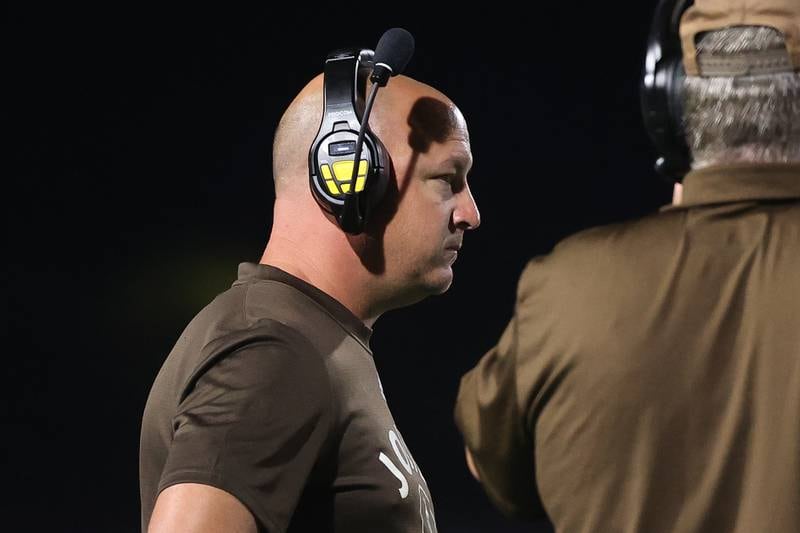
677 194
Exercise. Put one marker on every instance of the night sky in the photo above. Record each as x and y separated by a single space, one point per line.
138 177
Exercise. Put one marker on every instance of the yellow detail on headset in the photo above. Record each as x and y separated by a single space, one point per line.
343 171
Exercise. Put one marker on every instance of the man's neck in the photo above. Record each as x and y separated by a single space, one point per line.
323 272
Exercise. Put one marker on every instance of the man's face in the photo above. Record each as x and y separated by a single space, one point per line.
434 205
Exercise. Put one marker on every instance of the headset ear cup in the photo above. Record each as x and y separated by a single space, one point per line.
662 90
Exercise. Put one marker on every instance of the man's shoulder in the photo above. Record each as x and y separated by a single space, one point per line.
653 229
258 309
229 323
609 251
256 306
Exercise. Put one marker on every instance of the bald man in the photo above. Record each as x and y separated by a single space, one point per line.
268 414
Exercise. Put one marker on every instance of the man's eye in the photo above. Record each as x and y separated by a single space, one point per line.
453 181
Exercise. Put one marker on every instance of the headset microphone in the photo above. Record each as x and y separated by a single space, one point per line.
394 50
392 54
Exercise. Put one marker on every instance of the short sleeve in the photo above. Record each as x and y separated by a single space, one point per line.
490 417
255 424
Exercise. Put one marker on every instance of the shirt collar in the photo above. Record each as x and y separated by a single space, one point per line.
740 182
253 271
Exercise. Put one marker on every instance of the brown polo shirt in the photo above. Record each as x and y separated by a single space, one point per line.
649 379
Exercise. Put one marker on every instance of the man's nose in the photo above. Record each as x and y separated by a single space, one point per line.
466 215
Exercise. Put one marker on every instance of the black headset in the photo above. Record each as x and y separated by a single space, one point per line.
330 158
662 90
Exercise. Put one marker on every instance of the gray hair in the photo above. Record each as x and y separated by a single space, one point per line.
743 118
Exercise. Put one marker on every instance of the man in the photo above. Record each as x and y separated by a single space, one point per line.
268 414
649 379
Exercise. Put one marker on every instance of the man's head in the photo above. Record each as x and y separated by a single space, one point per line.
409 245
742 100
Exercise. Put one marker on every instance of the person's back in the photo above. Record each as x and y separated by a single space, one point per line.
650 378
662 367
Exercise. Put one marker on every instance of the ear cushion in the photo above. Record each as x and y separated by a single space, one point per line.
662 90
331 173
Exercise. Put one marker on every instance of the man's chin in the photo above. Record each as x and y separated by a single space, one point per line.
441 280
433 284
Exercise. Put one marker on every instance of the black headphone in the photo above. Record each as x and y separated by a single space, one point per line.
330 158
662 90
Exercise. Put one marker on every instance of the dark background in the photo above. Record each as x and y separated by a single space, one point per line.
138 177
